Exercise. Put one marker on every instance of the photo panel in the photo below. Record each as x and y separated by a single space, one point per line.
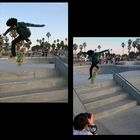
106 73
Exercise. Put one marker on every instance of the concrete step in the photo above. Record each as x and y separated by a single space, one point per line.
114 108
103 102
96 86
111 109
38 83
60 95
100 92
103 96
50 72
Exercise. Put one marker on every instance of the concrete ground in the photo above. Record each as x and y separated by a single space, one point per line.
10 66
80 77
125 122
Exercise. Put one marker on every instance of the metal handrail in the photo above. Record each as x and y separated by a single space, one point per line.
126 81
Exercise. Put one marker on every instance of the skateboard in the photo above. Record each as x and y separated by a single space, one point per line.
20 56
94 74
93 78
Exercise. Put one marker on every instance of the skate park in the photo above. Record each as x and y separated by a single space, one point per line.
113 99
39 79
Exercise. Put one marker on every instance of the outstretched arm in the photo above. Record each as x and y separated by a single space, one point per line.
105 51
33 25
7 31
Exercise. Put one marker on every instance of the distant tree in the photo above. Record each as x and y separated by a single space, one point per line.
48 35
123 47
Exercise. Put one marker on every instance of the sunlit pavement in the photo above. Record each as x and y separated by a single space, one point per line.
7 65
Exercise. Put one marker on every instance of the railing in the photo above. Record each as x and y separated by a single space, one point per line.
127 86
61 66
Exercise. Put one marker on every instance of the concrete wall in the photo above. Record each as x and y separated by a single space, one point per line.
107 69
61 67
40 60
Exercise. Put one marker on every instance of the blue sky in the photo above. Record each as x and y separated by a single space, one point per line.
53 15
113 43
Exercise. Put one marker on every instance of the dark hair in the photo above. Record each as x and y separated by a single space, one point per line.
11 21
90 52
88 115
80 121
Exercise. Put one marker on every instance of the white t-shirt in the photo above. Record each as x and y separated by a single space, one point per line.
83 132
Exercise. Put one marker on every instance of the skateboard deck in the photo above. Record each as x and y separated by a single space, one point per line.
94 74
93 78
20 56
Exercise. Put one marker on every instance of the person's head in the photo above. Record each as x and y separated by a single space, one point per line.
90 52
12 22
80 122
90 118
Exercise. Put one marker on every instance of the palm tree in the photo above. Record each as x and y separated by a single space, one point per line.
54 41
123 47
111 51
129 42
43 39
99 47
62 45
48 35
66 40
129 48
129 45
57 40
6 43
80 47
138 44
58 45
84 45
53 47
75 47
37 41
134 45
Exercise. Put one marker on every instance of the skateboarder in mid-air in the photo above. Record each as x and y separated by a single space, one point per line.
22 30
94 56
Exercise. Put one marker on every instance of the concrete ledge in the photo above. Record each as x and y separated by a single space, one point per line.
50 72
128 87
78 107
101 92
61 67
103 102
7 88
50 96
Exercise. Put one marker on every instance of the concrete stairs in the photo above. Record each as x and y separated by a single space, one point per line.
33 86
104 99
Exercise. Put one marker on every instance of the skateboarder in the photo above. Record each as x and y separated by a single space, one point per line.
22 30
94 56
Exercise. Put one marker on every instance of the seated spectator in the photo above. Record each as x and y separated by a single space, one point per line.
84 124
